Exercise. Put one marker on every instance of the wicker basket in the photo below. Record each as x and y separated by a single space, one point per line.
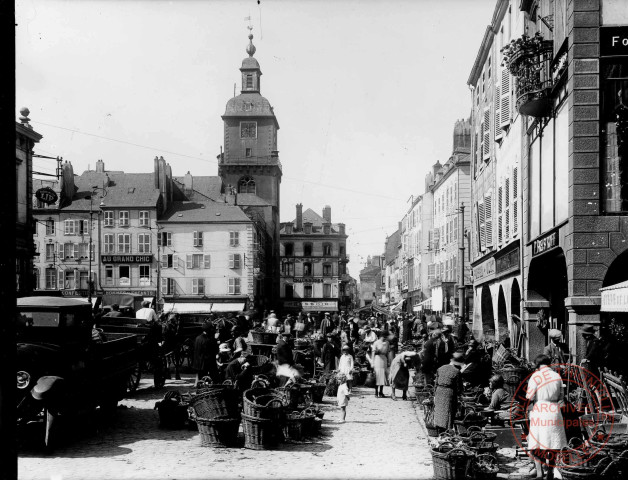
423 392
317 391
267 338
270 409
450 463
513 378
218 432
293 426
217 403
259 433
432 431
483 467
257 360
470 419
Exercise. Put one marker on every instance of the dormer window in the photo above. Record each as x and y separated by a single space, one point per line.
289 227
307 228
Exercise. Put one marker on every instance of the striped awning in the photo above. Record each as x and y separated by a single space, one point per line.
187 307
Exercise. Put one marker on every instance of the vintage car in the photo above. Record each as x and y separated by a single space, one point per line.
62 369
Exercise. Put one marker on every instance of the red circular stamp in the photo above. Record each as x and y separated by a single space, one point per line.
545 421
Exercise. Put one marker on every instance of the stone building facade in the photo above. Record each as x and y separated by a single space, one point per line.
314 259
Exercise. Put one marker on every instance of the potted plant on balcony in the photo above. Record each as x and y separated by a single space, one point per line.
528 59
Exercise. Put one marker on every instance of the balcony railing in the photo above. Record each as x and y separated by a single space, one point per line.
263 160
529 60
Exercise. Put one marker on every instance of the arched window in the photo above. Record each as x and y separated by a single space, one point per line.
246 185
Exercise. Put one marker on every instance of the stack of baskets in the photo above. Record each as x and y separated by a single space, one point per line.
576 463
454 458
217 415
317 390
514 376
262 419
428 412
450 463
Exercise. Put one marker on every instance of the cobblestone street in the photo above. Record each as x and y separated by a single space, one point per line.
379 440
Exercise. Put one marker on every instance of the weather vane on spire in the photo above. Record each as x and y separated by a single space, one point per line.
250 49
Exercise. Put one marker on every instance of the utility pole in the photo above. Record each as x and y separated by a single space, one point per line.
461 286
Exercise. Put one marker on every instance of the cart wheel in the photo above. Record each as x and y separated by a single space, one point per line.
133 381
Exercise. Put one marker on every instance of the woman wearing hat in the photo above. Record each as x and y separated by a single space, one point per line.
345 365
448 386
400 372
380 362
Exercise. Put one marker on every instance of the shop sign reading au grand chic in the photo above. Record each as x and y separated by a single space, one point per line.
126 258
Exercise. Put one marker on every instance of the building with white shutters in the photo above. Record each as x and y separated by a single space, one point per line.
496 172
450 186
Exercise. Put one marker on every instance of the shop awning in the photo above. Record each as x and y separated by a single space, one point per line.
397 308
425 304
227 307
615 298
187 307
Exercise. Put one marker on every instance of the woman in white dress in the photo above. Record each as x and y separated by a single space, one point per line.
547 429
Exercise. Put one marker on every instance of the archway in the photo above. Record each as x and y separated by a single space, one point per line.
502 318
547 281
515 314
488 318
617 271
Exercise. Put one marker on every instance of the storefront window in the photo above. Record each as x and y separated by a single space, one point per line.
548 178
615 136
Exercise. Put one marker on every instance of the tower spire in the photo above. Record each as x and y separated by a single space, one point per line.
250 48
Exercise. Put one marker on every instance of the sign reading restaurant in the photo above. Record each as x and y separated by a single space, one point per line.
126 258
545 243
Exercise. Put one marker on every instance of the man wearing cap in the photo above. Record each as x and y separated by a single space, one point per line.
205 351
146 313
553 349
326 325
240 373
593 355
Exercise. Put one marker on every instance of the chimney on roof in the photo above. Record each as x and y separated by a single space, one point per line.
188 183
341 228
68 189
436 167
100 166
156 172
462 134
327 213
299 217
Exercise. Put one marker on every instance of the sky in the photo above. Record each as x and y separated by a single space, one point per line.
366 92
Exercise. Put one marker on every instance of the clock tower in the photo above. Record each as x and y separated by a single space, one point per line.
249 165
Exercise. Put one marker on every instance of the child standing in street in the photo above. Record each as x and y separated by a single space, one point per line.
345 365
343 396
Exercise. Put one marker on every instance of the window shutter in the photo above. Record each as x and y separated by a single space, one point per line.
430 239
505 99
188 261
486 134
159 239
195 285
231 286
488 214
164 285
175 261
60 252
497 109
61 280
499 215
76 250
481 227
507 210
231 260
206 262
164 261
200 239
436 237
515 202
195 239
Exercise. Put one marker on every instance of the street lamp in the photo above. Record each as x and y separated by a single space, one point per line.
90 282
